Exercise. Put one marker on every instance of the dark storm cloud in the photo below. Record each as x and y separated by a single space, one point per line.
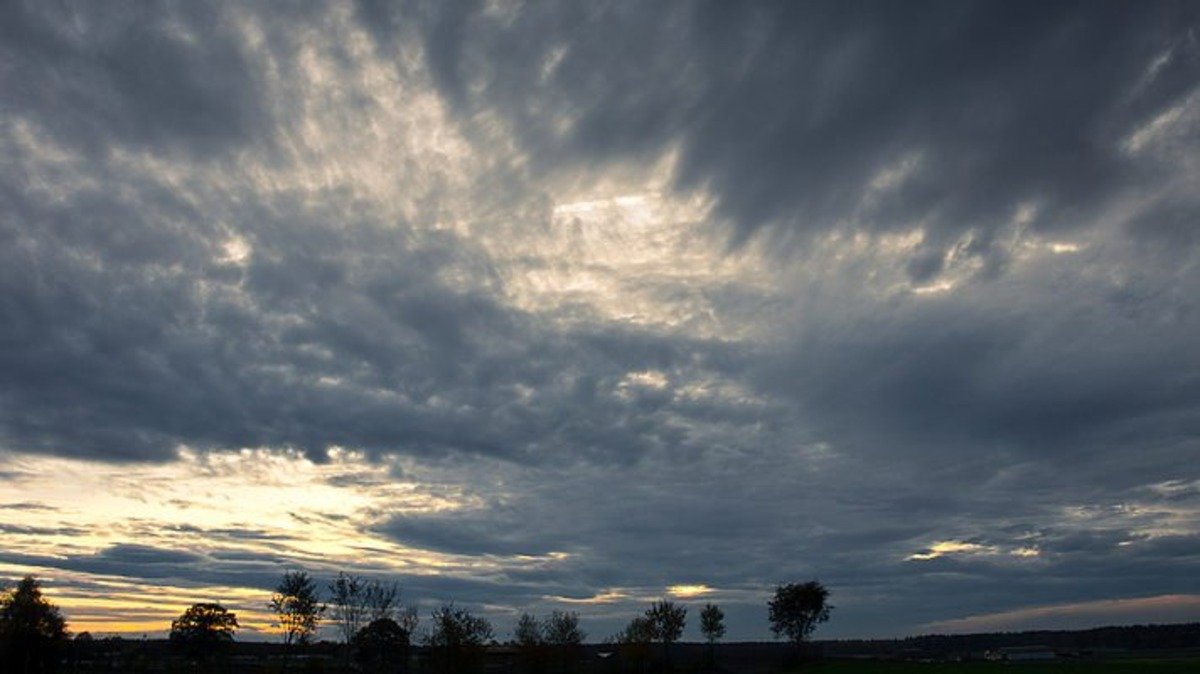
459 534
139 355
159 564
128 560
947 372
144 555
158 76
787 111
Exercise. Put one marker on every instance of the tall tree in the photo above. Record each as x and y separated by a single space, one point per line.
355 601
797 609
635 641
383 600
32 631
297 607
457 639
203 629
562 629
348 604
666 624
712 625
528 632
562 634
530 643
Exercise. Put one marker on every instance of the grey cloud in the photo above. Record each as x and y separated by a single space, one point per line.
1058 377
154 564
460 534
23 530
229 533
146 555
131 360
788 112
28 506
131 72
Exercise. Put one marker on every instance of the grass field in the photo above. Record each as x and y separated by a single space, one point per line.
1120 666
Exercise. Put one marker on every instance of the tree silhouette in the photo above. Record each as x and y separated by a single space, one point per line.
407 619
530 643
83 647
635 641
712 625
32 631
666 625
797 609
383 600
381 645
297 607
348 604
563 635
354 602
203 630
457 639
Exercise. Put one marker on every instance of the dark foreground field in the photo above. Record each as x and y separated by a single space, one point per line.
1130 665
1127 650
1115 666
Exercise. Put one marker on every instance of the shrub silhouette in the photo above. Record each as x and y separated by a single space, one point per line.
381 645
203 630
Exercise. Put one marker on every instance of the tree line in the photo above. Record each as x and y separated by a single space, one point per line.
376 630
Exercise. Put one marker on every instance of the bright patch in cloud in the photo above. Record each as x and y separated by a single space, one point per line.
689 591
943 548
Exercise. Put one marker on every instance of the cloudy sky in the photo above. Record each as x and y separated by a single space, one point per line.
577 305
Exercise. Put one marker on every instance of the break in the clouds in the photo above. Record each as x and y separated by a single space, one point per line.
576 305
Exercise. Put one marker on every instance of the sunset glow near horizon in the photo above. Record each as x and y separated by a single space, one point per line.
566 306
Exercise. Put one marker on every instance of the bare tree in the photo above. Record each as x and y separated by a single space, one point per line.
356 602
383 600
348 604
408 619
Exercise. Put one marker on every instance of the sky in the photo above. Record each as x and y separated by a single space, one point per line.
578 305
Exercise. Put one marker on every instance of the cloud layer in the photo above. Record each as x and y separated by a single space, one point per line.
565 306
